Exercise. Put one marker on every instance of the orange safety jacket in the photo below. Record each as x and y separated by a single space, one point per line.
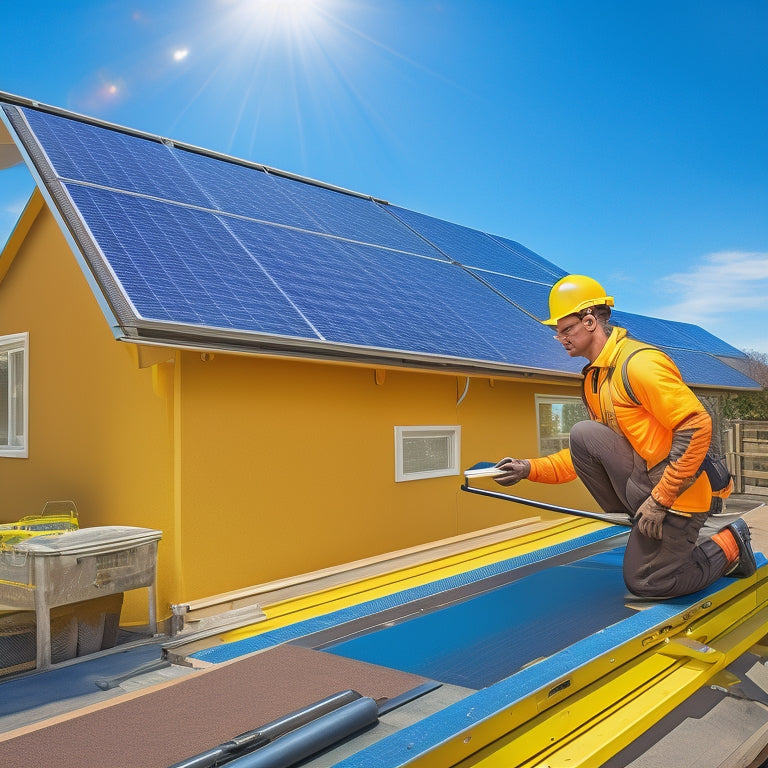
661 418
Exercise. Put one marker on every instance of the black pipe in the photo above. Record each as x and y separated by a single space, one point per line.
314 737
624 520
260 737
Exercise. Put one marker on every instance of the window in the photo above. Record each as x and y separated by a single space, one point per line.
422 452
555 415
14 389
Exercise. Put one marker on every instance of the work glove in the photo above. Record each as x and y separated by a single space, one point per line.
515 470
649 518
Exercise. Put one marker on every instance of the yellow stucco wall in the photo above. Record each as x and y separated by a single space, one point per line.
288 466
254 468
98 434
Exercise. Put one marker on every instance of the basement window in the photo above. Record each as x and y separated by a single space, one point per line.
555 415
423 452
14 388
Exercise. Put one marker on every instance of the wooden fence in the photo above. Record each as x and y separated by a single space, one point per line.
745 445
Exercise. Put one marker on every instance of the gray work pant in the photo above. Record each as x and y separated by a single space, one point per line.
619 481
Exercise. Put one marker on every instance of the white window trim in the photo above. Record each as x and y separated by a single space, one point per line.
453 432
12 343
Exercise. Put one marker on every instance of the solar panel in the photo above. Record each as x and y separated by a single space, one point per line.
253 193
84 152
476 249
368 296
530 296
701 369
184 265
90 153
179 236
670 333
180 264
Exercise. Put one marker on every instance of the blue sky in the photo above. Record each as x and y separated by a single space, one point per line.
627 141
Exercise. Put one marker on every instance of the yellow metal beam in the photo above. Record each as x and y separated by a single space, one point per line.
601 719
353 593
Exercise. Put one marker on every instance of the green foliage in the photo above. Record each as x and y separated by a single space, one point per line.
573 413
752 406
749 406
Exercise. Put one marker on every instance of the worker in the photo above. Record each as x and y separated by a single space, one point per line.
641 452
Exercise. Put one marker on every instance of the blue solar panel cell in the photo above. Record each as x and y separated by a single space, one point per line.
527 254
372 297
701 369
90 153
532 297
182 265
673 334
473 248
356 218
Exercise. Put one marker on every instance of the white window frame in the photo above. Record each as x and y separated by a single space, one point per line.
453 433
553 400
18 433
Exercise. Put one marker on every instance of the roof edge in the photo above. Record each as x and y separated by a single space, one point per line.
21 101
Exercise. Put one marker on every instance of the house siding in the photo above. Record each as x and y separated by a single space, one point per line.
288 466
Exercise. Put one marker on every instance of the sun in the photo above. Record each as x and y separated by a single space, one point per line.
278 15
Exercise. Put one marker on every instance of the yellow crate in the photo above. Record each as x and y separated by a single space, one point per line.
57 517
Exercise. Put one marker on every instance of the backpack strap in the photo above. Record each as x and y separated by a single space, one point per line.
625 376
592 375
714 466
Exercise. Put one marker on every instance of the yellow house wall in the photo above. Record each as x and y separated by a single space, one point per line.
98 434
254 468
289 466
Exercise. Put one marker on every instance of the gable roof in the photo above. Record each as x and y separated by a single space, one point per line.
191 248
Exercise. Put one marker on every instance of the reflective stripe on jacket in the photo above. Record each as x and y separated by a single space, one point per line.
668 422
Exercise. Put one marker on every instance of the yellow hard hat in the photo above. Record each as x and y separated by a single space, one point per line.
571 294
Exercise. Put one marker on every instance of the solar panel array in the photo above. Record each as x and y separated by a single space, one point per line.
185 239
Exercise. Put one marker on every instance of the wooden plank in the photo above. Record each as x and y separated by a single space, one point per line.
270 592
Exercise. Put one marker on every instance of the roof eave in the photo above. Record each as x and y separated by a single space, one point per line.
203 339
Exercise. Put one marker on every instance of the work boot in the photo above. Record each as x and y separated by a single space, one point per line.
745 565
